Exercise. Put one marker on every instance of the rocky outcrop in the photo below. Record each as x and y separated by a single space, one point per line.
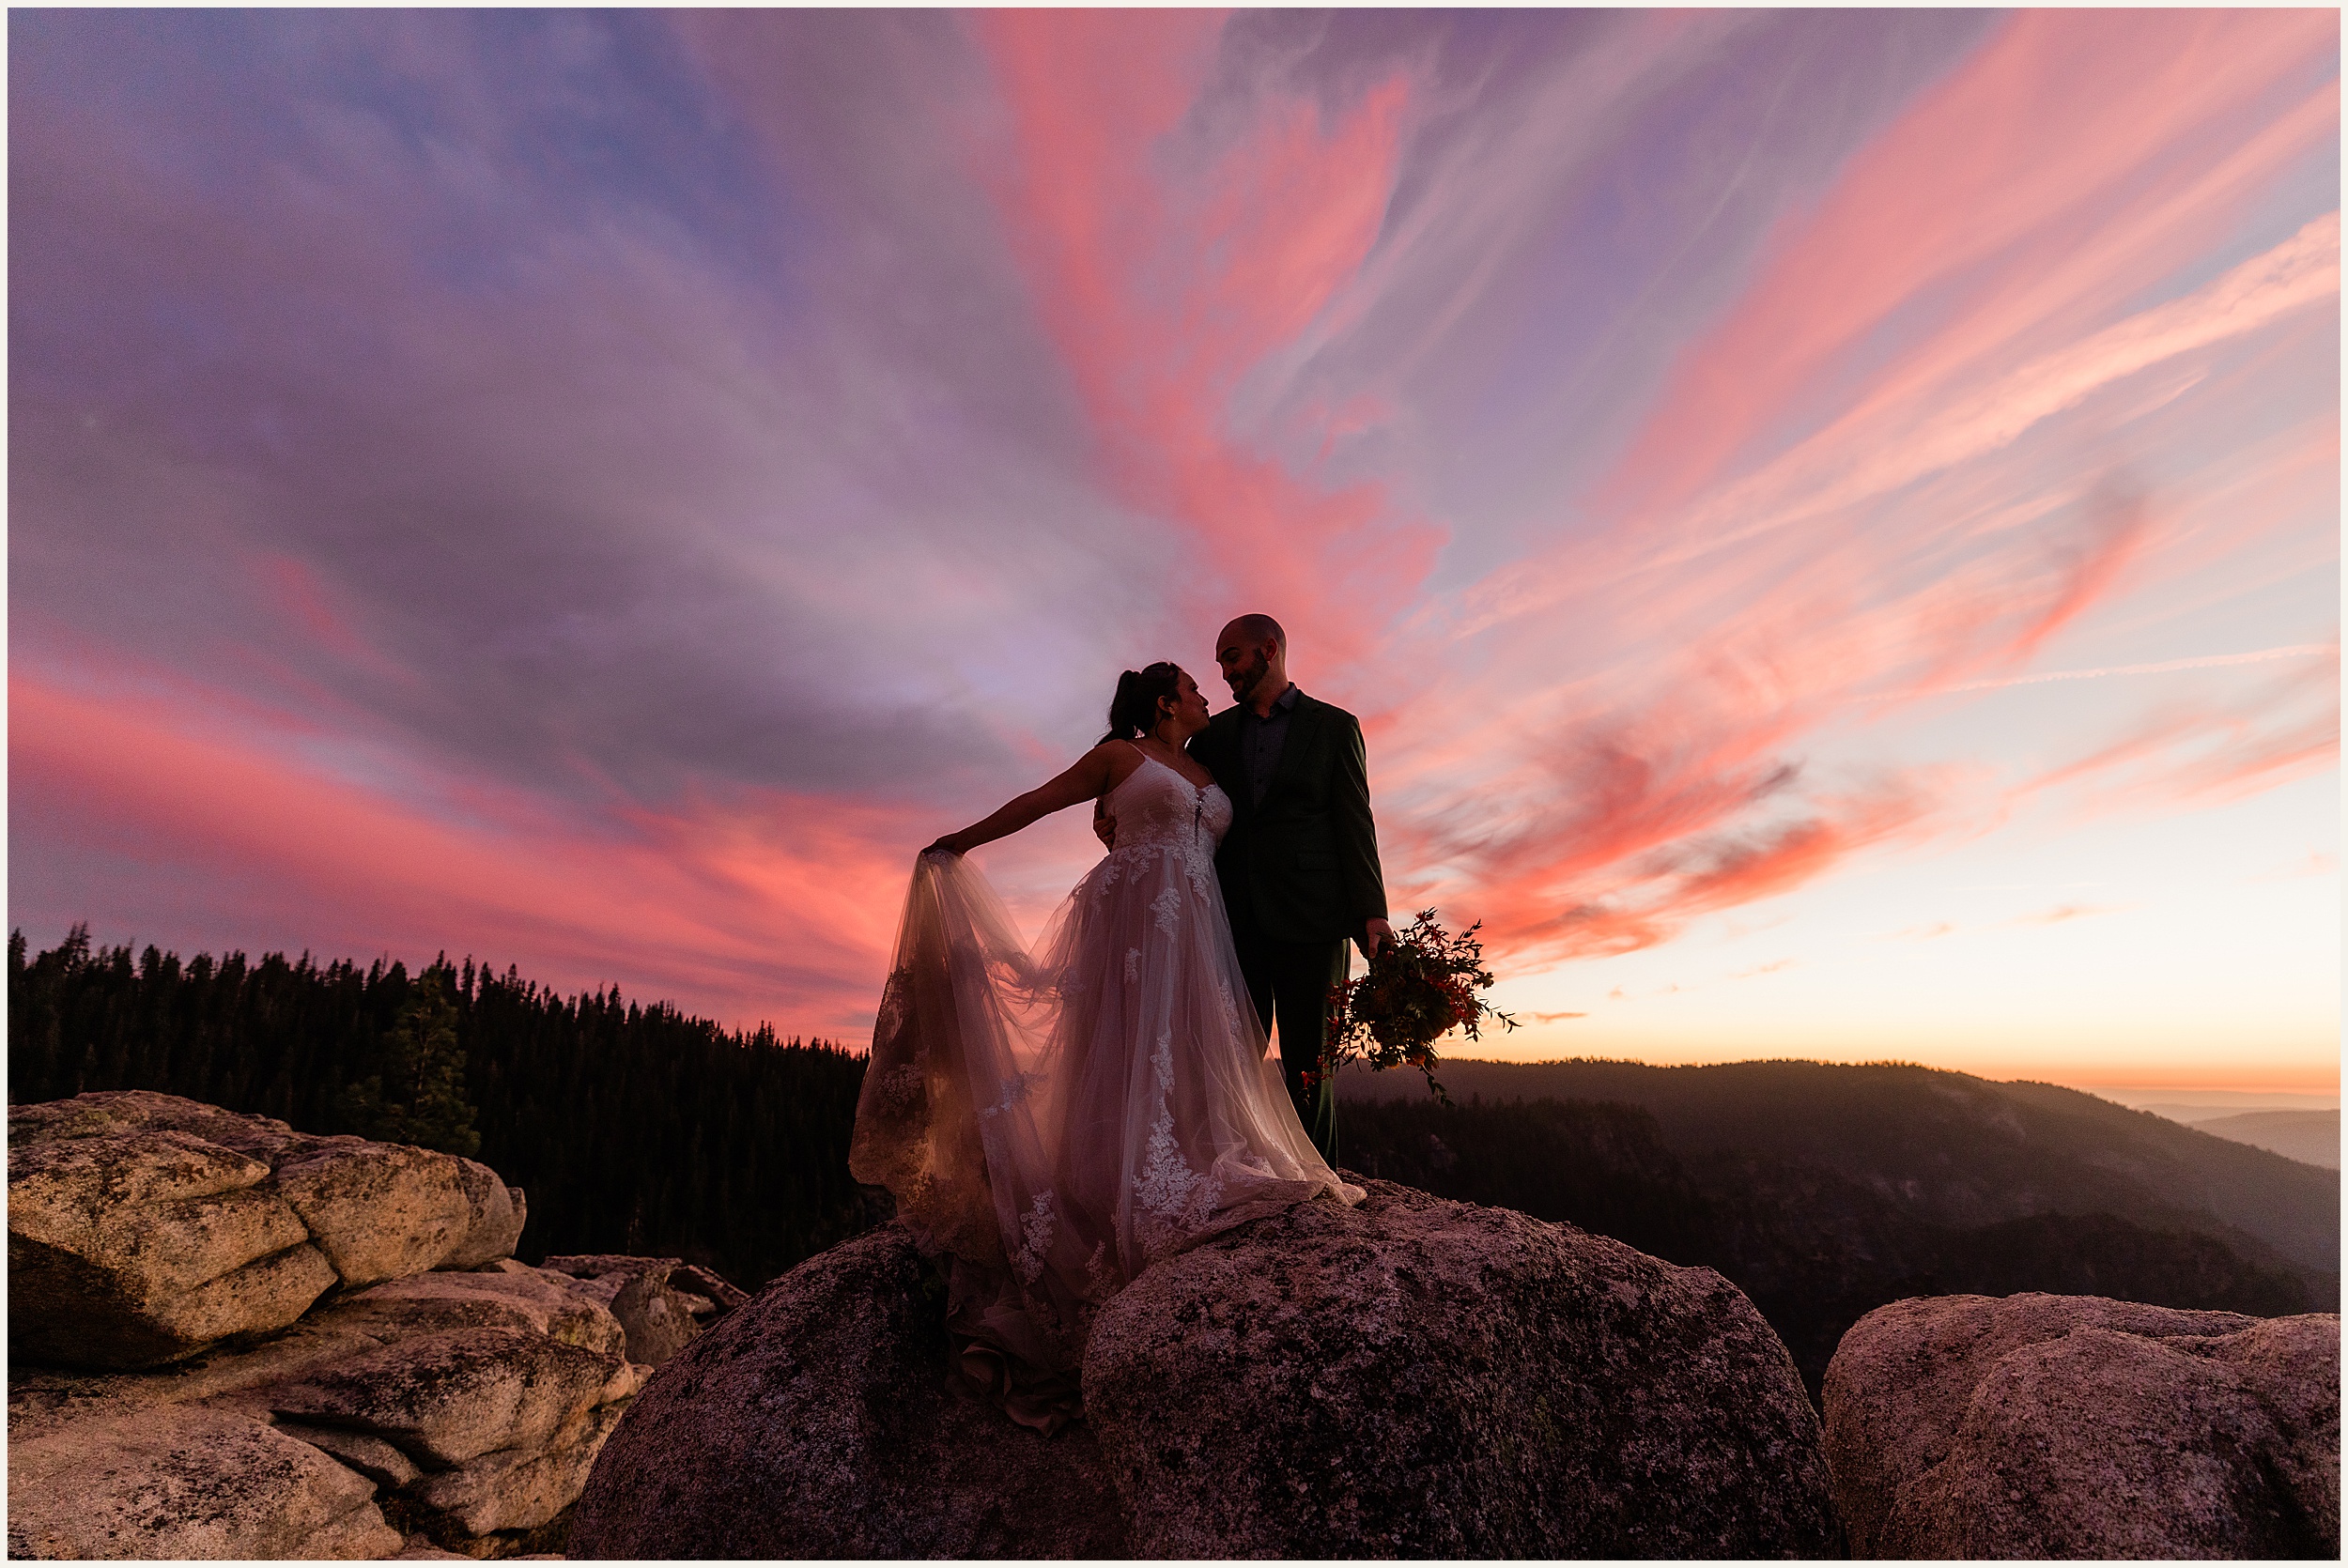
180 1482
143 1227
136 1248
1411 1377
413 1391
2072 1426
661 1301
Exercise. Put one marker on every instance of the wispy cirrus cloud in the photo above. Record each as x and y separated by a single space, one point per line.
1167 259
1738 599
632 462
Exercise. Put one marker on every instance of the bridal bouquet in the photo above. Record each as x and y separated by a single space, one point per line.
1418 988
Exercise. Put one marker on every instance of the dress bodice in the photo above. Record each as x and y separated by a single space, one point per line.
1156 807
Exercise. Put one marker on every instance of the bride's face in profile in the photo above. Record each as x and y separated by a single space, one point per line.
1189 712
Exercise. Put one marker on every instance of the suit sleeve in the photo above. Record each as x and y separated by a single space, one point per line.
1357 834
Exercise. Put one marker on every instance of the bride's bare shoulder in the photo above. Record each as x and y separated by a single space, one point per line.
1116 758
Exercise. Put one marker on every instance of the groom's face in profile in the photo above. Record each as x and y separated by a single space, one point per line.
1244 664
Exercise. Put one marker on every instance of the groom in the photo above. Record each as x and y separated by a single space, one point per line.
1299 868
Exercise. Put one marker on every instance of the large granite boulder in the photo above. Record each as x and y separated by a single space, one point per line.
1422 1378
1410 1377
234 1339
508 1492
494 1217
102 1114
378 1210
502 1295
180 1482
2073 1426
442 1399
816 1421
132 1247
465 1407
143 1227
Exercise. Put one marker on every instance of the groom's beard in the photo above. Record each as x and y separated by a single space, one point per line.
1244 684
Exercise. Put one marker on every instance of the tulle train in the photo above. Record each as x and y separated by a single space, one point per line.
1052 1122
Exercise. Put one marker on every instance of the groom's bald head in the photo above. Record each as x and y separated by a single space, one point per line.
1254 631
1254 654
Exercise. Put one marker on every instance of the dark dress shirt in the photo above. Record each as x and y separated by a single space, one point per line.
1260 740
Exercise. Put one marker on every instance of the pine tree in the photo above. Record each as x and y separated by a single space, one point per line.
419 1096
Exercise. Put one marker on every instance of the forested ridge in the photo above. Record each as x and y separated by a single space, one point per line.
1822 1192
633 1127
1816 1249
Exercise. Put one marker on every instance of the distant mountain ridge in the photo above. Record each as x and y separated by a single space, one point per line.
1825 1191
1949 1146
2311 1136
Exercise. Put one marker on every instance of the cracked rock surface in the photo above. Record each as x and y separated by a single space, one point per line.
230 1339
143 1227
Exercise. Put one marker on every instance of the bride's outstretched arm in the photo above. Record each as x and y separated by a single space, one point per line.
1081 782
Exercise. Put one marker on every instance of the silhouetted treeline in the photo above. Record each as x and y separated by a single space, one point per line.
633 1128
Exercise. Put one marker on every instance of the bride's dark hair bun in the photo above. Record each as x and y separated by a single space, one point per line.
1134 711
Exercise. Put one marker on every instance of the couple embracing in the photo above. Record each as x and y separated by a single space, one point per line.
1053 1122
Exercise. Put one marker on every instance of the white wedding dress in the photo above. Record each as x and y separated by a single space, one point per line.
1050 1124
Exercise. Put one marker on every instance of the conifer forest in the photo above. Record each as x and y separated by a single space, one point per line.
632 1126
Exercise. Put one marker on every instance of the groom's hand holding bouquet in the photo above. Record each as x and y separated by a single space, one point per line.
1421 984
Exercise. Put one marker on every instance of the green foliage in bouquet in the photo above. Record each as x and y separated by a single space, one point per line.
1419 988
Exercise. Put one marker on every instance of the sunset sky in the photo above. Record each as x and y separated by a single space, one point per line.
1829 519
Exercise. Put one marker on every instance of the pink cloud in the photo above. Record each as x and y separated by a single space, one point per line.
1685 876
327 619
1748 587
1164 284
2062 914
765 904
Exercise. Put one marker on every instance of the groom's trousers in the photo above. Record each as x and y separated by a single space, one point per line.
1289 982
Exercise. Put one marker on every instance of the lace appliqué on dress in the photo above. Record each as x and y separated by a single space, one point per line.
903 1089
892 1007
1106 878
1178 1199
1167 907
1035 1229
1200 865
1101 1280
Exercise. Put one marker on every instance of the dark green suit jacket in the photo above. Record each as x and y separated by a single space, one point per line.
1303 867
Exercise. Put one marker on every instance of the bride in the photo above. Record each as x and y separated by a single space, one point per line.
1052 1122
